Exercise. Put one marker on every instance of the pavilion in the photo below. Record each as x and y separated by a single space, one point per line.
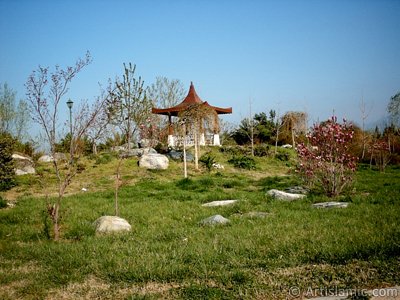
191 99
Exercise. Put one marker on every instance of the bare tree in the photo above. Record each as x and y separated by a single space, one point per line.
364 136
45 90
128 106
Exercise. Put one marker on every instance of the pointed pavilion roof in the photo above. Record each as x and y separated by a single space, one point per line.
191 98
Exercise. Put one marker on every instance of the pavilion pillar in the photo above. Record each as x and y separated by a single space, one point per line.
171 138
202 141
216 141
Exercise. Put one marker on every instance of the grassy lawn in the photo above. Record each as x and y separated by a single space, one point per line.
169 256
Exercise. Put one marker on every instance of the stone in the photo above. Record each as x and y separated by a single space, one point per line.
46 159
297 190
110 224
154 161
23 165
255 215
331 204
287 146
219 203
136 152
218 166
214 220
60 156
280 195
178 155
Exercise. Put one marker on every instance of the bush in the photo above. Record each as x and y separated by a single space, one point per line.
7 174
207 160
326 161
243 162
3 203
261 150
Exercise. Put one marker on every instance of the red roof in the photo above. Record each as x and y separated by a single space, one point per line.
191 98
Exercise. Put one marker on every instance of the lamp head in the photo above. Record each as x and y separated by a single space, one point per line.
70 103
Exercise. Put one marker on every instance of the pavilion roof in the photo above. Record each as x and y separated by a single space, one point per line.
191 98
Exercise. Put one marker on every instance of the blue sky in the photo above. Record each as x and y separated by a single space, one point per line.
314 56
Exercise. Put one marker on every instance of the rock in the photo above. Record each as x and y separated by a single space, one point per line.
255 214
219 203
60 156
331 204
23 164
178 155
109 224
136 152
154 161
144 143
214 220
46 158
280 195
287 146
297 190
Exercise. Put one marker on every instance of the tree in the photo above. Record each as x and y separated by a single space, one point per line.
393 109
128 105
326 160
45 90
14 116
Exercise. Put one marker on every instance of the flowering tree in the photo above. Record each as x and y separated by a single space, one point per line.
326 160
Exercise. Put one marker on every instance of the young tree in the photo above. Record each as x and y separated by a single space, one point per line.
7 173
128 105
45 90
326 161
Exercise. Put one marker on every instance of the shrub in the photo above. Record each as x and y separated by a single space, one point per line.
3 203
207 160
243 162
7 174
261 150
326 161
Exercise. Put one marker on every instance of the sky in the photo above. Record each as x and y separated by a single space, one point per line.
317 56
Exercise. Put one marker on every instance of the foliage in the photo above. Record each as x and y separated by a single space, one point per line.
380 153
82 146
7 174
326 161
207 160
3 203
243 162
261 150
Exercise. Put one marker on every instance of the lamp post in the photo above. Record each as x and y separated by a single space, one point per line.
69 104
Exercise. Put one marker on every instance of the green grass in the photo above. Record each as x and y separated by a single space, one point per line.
168 255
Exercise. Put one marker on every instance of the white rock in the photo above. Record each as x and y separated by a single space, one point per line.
215 220
154 161
24 171
287 146
218 166
280 195
46 158
219 203
331 204
108 224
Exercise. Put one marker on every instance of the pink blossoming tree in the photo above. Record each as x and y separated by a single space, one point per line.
326 160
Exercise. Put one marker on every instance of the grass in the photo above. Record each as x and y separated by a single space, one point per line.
168 255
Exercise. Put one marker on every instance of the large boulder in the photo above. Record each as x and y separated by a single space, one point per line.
23 164
136 152
280 195
154 161
178 155
110 224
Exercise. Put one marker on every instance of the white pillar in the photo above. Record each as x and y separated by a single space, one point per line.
171 140
216 141
202 141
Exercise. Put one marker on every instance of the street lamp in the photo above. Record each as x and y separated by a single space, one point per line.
69 104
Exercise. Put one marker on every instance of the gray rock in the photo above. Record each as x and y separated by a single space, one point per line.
60 156
23 164
214 220
255 215
136 152
280 195
154 161
178 155
110 224
331 204
46 158
219 203
297 190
